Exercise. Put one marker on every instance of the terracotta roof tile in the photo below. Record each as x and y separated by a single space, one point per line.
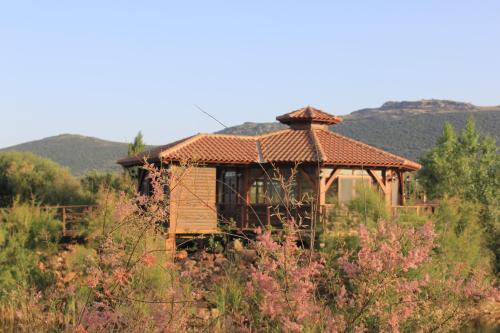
339 149
215 148
288 146
309 114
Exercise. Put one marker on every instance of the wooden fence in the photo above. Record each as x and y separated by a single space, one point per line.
70 216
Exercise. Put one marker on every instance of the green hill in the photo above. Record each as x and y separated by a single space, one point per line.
78 153
404 128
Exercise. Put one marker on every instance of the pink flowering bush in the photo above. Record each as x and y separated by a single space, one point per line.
132 285
390 283
283 283
390 279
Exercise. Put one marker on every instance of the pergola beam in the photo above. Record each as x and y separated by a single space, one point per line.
334 175
381 181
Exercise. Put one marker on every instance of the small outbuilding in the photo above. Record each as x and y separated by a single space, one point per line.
241 178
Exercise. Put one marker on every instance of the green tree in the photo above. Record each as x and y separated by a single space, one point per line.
439 173
30 177
137 146
94 181
467 167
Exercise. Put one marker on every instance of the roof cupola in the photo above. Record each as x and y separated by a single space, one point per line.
307 118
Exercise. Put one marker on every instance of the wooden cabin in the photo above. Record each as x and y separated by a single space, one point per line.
238 178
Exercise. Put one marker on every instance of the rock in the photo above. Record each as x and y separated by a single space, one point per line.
236 245
249 255
214 312
204 314
70 276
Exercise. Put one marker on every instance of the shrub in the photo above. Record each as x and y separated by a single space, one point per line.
94 181
29 237
30 177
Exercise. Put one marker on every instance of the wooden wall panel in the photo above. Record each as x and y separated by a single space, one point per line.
192 200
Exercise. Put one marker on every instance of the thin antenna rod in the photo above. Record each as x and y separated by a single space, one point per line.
208 114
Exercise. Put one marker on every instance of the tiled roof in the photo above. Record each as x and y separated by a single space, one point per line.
309 114
312 145
297 144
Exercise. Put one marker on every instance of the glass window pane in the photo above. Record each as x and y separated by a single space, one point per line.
346 189
395 194
257 194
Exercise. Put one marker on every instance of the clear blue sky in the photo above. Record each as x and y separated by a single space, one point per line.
111 68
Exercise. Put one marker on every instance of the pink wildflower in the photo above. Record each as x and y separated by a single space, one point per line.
121 275
148 260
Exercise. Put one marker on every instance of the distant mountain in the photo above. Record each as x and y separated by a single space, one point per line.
405 128
78 153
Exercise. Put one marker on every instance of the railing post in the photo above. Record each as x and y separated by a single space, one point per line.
63 217
268 215
242 216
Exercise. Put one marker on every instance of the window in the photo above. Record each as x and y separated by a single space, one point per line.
351 182
257 192
305 189
346 192
229 187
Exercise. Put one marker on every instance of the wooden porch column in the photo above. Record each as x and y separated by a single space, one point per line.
321 189
401 188
170 240
387 174
247 184
321 193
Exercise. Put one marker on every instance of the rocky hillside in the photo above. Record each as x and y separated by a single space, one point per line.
404 128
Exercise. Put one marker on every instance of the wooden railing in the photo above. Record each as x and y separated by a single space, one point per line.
262 215
420 210
72 216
